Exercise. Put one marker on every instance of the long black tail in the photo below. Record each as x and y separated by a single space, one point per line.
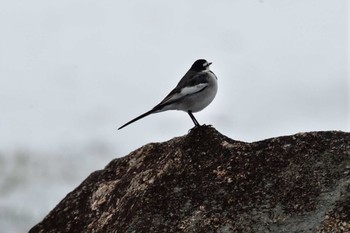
139 117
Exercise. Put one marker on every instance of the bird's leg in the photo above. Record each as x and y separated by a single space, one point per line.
193 119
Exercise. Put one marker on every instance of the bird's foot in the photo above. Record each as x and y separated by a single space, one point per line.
195 127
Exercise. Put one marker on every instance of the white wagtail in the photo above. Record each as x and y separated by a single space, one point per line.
193 93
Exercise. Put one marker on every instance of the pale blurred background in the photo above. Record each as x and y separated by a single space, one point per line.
72 72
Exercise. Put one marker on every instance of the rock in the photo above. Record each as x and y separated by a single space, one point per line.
207 182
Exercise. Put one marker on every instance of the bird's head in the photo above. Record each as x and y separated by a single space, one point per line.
200 65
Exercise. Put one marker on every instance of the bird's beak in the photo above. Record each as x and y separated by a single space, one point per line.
209 63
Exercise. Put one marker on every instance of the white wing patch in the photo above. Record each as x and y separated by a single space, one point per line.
186 91
191 90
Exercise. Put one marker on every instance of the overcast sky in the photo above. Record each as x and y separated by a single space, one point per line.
72 72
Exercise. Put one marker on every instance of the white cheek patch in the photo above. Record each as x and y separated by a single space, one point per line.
193 89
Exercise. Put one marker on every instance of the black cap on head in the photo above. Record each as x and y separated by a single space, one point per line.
200 64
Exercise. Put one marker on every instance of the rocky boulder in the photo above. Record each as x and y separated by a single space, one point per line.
207 182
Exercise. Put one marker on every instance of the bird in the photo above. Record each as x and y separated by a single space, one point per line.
195 91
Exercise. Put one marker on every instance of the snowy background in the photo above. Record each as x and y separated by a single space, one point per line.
73 71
